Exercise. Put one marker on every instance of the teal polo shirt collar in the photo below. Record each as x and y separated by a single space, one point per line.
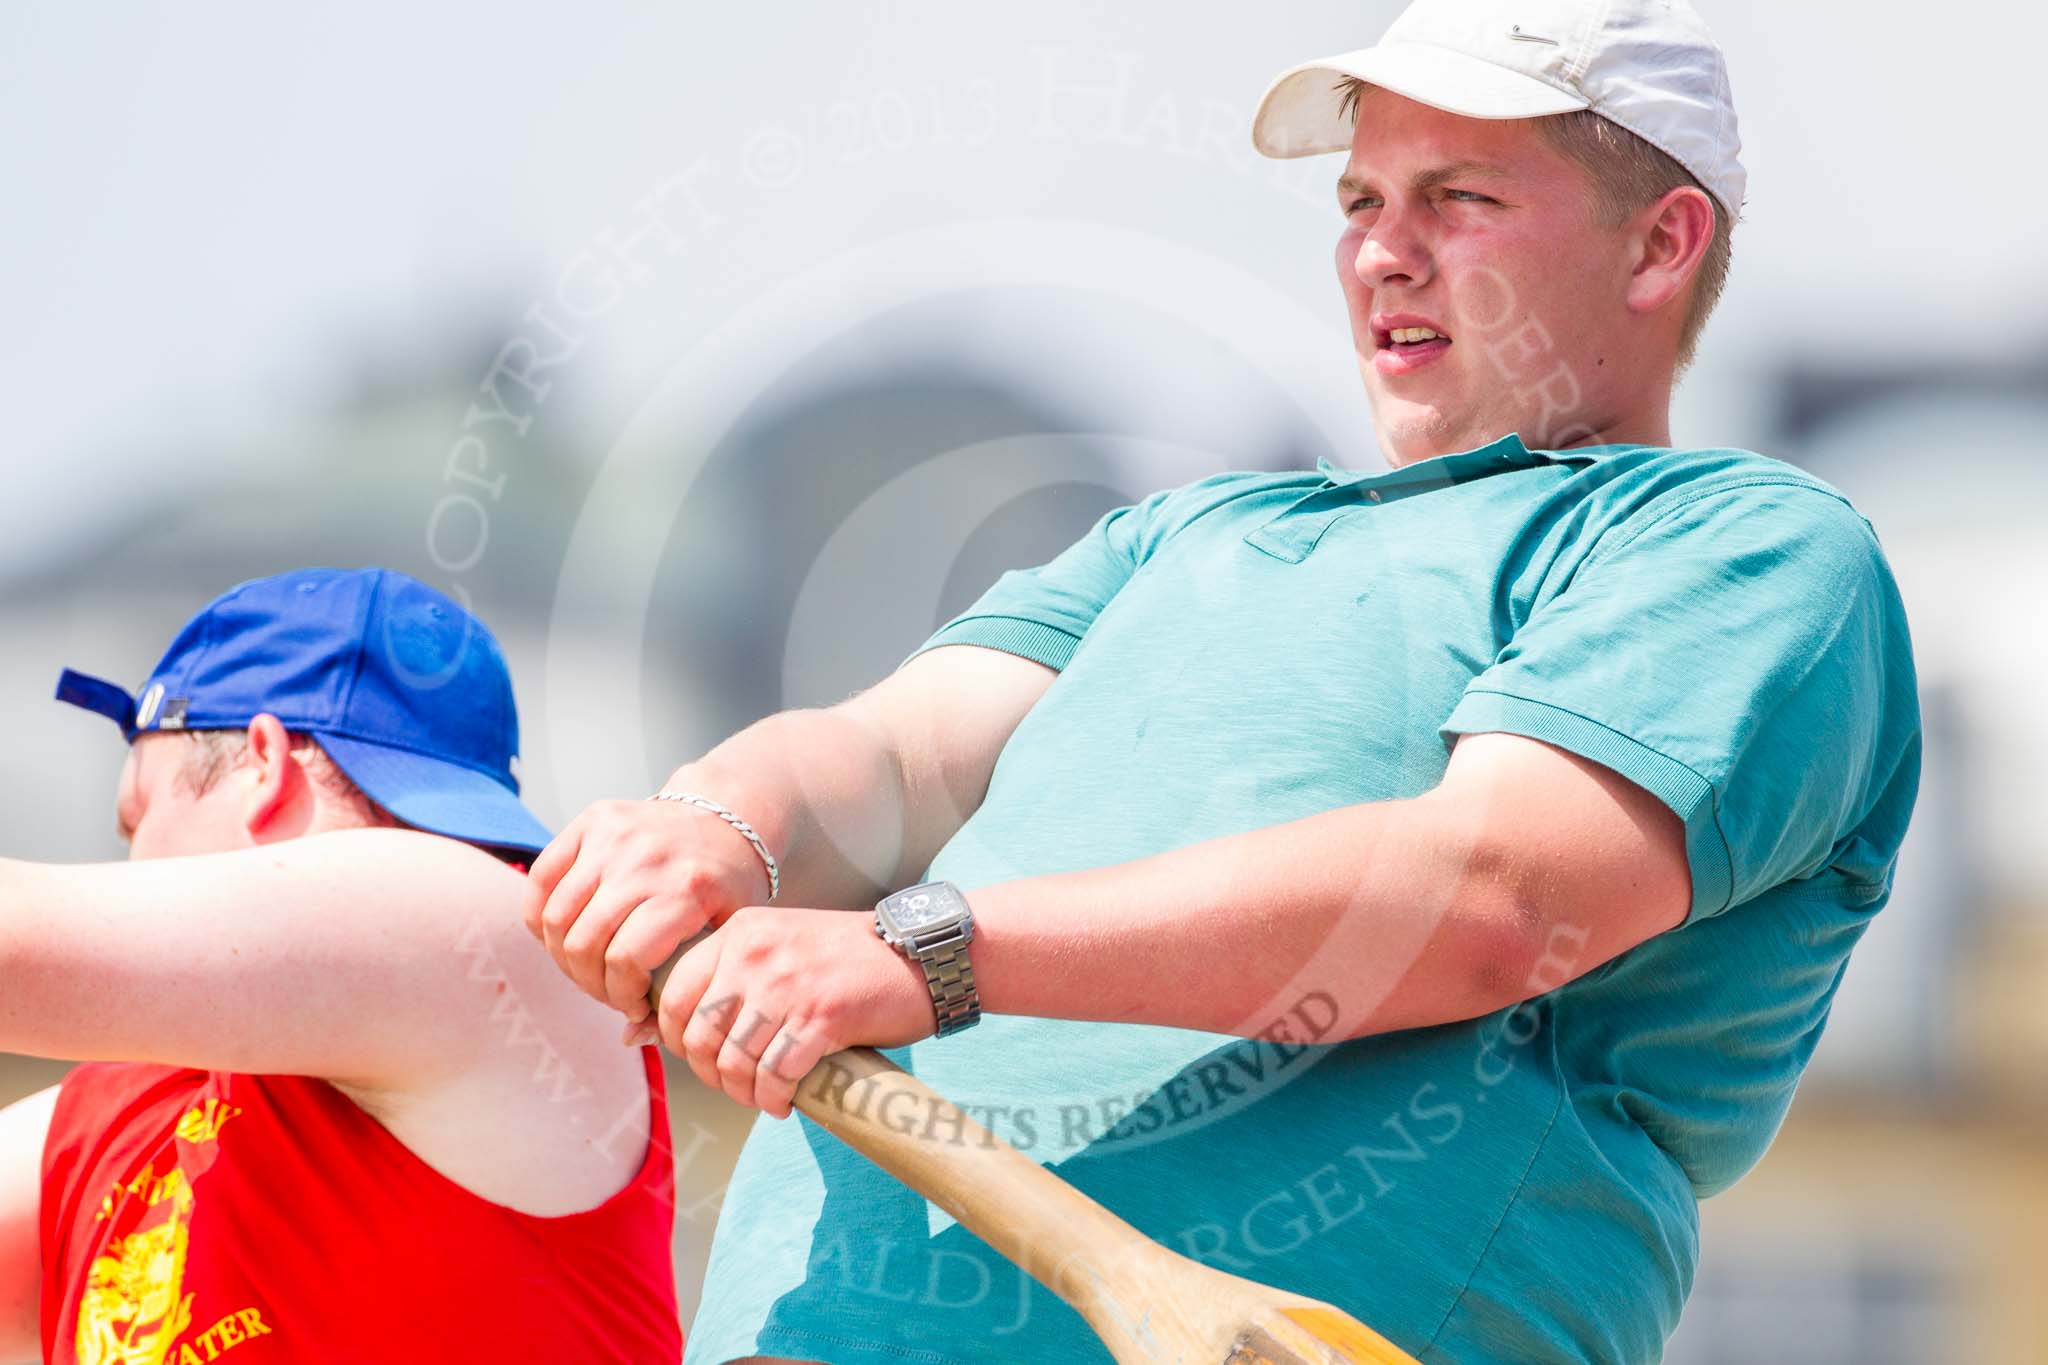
1507 452
1292 535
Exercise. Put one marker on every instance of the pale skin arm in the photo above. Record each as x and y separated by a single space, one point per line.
853 800
343 955
1527 866
23 1126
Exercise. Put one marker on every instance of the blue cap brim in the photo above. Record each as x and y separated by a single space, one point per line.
436 796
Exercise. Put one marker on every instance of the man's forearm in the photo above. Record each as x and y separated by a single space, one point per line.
823 790
1524 868
349 955
851 802
1527 867
1382 916
856 800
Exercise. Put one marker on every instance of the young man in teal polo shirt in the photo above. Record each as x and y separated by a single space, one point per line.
1415 888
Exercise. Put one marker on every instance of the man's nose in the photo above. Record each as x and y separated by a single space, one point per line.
1391 253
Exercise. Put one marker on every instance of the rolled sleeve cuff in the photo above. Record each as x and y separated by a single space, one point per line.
1690 796
1034 640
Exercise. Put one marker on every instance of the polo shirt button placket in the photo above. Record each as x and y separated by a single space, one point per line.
1373 493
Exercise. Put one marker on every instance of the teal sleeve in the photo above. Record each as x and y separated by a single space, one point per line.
1042 613
1742 656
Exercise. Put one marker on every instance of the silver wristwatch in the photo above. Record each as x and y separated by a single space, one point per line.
931 924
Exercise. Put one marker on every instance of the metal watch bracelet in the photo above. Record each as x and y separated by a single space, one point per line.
955 1001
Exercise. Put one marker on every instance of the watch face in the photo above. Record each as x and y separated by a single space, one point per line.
921 907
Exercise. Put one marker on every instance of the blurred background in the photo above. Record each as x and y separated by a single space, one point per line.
716 355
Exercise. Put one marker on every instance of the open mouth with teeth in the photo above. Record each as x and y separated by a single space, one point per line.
1404 349
1407 337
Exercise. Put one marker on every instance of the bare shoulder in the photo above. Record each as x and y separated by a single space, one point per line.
428 860
430 895
560 1122
551 1115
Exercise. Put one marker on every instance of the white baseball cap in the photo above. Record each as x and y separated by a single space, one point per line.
1648 65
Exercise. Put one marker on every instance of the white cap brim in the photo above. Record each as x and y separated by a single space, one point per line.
1302 113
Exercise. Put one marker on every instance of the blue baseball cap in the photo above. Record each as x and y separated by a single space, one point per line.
407 692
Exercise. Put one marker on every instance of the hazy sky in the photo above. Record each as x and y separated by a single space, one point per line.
208 207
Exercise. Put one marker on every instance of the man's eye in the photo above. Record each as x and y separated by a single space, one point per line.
1368 202
1468 196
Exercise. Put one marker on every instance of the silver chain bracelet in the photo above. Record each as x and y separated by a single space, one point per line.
745 829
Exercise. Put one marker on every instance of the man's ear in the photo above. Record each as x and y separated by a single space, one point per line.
1672 237
277 784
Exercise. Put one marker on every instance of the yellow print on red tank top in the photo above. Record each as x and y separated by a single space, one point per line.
134 1307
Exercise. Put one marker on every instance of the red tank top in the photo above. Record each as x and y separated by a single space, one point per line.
194 1216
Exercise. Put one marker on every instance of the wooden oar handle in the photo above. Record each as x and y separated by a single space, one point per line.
1017 1206
1149 1305
661 973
